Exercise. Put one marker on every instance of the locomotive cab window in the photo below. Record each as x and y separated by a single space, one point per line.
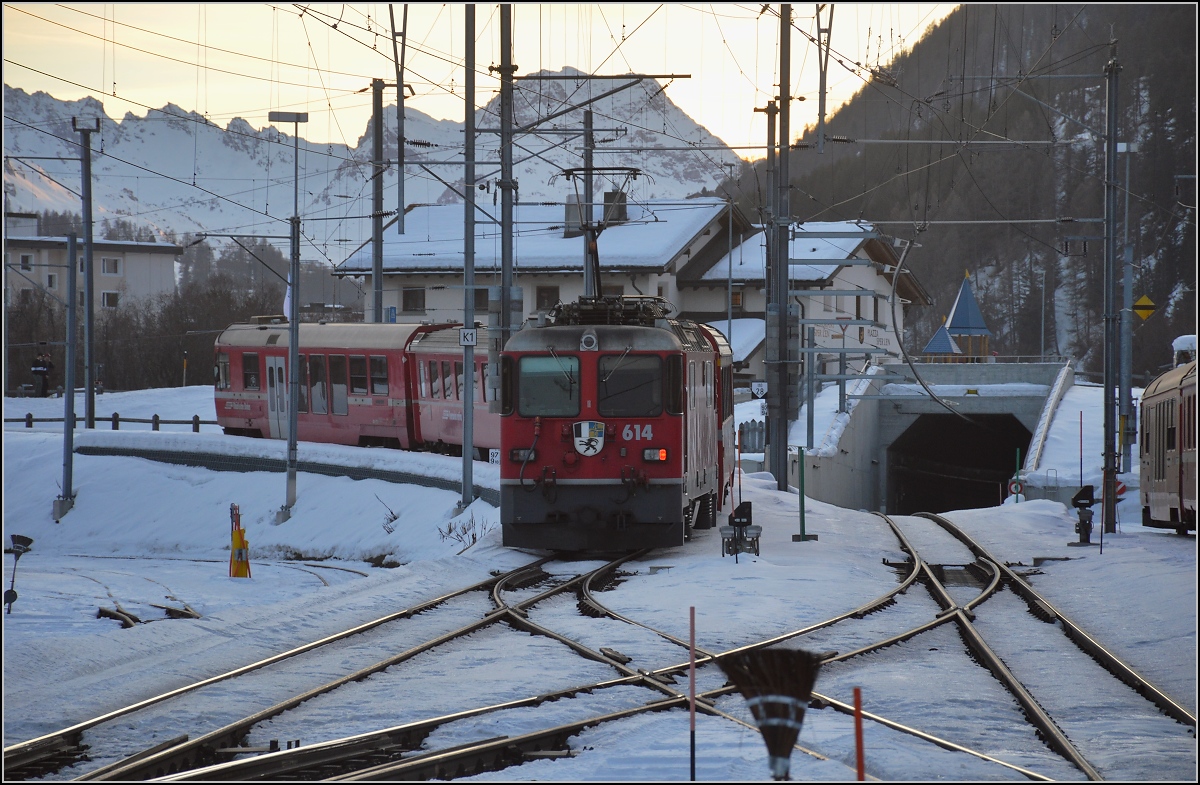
548 386
630 386
675 384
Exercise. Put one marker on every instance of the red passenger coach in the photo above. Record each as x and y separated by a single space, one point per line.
616 427
395 385
1168 461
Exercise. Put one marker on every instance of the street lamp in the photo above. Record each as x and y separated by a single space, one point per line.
293 314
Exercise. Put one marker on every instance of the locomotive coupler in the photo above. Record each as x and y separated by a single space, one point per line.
549 483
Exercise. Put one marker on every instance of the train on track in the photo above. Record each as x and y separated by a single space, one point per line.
1168 459
386 385
616 427
613 428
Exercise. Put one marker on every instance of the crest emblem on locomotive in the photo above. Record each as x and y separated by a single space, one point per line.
589 437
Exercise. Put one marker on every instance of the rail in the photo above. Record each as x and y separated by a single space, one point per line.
116 419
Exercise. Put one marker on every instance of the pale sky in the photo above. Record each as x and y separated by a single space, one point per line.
228 60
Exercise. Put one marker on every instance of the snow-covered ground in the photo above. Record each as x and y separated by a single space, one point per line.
144 533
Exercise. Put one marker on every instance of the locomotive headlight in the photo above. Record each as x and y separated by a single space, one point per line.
654 454
522 454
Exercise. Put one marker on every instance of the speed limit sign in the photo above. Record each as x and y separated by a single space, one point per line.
1015 487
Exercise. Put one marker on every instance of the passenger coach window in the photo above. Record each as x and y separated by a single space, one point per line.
630 386
548 386
435 383
379 377
337 384
358 375
302 404
222 371
316 372
250 370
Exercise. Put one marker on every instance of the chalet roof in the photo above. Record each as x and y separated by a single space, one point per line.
965 317
747 262
941 343
657 230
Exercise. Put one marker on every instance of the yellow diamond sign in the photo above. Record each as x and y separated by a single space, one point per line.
1144 307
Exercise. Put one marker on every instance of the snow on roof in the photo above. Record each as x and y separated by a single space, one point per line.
747 335
656 231
747 260
1184 343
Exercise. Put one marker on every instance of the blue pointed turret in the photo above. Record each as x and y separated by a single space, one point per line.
965 317
941 343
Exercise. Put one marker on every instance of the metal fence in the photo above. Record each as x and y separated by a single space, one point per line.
752 436
154 422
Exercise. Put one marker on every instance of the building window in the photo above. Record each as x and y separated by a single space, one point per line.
735 299
26 261
612 290
52 281
110 265
827 304
109 299
412 299
547 298
481 300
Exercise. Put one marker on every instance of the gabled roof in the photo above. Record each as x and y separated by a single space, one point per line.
941 343
965 317
656 232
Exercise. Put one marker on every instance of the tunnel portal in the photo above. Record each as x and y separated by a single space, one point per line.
946 462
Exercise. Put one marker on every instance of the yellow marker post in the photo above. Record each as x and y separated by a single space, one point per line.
239 549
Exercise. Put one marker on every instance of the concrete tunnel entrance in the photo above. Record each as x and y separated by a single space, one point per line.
945 462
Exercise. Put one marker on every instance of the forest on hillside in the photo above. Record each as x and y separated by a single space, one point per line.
907 155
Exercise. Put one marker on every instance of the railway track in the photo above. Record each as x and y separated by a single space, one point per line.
1076 694
964 584
365 756
51 752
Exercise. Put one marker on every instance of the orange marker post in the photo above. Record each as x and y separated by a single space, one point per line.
239 549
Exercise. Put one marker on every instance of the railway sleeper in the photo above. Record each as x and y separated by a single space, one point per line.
38 763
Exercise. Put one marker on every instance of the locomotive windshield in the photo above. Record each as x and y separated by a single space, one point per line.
548 386
630 386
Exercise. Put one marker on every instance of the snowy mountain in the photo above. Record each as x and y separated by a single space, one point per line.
176 172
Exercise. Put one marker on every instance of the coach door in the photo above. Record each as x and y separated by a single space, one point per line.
277 397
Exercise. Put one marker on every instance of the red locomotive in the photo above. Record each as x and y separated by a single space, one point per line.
395 385
616 427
